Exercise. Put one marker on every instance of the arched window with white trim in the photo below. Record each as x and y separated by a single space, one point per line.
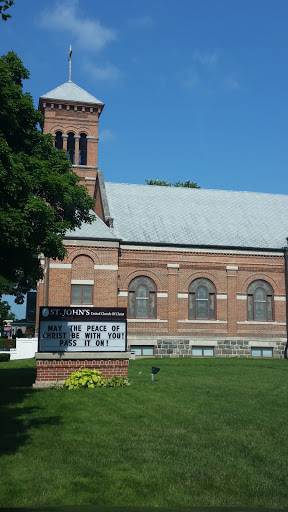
142 298
260 301
202 300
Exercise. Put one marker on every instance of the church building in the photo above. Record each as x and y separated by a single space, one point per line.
201 272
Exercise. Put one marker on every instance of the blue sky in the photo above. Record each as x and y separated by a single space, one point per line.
194 89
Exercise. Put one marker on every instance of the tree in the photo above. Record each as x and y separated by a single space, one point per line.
163 183
11 316
4 7
40 198
186 184
4 313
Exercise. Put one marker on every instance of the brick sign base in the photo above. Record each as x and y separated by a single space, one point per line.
55 368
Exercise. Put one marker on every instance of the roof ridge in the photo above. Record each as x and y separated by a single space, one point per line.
201 189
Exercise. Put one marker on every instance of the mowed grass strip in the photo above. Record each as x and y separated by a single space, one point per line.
206 432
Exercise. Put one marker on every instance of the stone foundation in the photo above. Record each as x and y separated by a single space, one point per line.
222 347
55 368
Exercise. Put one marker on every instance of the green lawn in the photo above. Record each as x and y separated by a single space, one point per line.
206 432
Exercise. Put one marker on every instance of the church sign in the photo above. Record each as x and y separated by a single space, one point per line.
82 329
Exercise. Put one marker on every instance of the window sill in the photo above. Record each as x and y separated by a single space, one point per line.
146 320
81 306
85 166
254 322
202 322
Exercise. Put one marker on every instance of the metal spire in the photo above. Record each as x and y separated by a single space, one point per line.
70 54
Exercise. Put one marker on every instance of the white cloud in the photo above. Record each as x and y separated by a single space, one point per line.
206 74
201 72
106 72
106 135
232 84
190 79
87 33
207 59
142 21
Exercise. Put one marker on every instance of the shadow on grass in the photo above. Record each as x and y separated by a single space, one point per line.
16 419
106 508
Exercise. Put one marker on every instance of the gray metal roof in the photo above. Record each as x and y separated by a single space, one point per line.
95 231
169 215
71 92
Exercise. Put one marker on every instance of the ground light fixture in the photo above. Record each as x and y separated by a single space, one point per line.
154 371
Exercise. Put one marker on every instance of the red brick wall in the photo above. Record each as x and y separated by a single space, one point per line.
58 370
193 265
172 281
82 267
58 118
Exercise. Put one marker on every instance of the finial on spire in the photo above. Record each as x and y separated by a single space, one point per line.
70 54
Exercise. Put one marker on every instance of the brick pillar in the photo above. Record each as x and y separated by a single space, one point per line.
173 270
65 137
76 157
92 151
232 300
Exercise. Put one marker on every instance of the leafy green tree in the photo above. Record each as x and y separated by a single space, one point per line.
4 313
4 5
11 316
40 198
186 184
159 183
163 183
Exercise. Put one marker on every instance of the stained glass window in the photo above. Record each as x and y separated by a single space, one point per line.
142 298
260 301
202 303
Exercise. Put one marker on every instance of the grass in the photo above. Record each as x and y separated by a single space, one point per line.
205 433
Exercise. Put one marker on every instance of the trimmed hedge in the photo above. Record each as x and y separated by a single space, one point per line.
4 357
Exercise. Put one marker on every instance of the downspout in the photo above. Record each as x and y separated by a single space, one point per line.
47 281
286 289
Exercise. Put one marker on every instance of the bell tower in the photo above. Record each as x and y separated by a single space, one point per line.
71 115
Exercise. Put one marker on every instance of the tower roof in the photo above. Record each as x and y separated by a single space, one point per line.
71 92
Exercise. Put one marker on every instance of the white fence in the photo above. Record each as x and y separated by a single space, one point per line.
25 349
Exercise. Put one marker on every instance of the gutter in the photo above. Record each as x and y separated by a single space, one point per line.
203 246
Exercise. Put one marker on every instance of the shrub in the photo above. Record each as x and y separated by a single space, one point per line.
84 379
4 357
116 382
6 343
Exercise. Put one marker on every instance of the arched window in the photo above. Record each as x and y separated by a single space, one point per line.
142 298
71 147
83 149
58 140
260 301
202 302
